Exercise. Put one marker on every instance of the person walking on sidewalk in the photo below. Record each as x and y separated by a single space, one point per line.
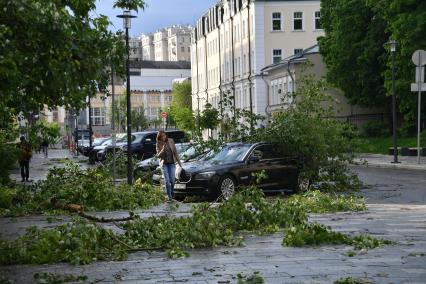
45 147
167 153
25 156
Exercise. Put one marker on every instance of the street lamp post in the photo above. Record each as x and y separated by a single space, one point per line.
395 147
127 17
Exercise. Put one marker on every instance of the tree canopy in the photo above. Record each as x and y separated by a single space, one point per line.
356 50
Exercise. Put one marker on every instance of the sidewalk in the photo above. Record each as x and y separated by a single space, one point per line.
39 165
385 161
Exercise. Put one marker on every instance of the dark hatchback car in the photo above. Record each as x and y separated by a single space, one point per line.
233 166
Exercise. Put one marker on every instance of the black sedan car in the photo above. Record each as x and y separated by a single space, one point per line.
233 166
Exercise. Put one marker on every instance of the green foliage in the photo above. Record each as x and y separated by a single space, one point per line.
353 50
308 130
78 242
357 55
313 234
181 111
380 145
132 5
120 164
209 118
54 53
182 95
375 128
255 278
43 130
318 202
236 124
90 188
351 280
247 211
51 278
8 153
139 121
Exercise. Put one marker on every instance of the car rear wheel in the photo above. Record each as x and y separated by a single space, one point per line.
227 187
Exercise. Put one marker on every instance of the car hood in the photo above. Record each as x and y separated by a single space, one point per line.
204 166
148 162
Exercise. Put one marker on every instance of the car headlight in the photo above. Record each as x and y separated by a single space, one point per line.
205 175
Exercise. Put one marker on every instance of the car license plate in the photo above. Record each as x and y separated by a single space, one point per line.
180 186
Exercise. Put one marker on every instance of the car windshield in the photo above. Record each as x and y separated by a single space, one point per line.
192 154
231 153
180 148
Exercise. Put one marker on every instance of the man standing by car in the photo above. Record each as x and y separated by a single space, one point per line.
24 158
167 154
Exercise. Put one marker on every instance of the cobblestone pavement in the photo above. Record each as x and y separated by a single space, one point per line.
397 217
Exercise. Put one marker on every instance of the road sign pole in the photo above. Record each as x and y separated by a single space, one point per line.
419 59
419 107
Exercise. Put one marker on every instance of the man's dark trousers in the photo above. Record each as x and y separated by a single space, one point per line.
25 170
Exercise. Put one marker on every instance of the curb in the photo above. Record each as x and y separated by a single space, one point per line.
393 166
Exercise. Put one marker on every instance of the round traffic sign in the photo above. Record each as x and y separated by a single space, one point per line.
419 57
164 114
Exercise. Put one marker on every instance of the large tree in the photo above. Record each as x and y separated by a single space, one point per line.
182 106
353 50
56 53
357 55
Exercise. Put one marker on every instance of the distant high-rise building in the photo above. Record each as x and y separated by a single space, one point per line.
168 44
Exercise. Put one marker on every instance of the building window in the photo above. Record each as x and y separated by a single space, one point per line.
318 25
189 49
276 21
298 21
98 116
298 50
276 55
182 48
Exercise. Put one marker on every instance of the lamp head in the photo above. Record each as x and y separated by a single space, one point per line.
392 44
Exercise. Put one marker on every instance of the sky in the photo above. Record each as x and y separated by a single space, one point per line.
158 14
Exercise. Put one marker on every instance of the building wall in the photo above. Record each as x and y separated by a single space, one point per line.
231 44
147 47
280 88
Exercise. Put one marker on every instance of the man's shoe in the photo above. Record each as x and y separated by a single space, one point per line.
26 180
23 180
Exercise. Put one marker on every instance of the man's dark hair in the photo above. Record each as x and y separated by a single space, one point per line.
22 138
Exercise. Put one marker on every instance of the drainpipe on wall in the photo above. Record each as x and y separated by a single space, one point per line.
198 81
220 72
249 58
233 66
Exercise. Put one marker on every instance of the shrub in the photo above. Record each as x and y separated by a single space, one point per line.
90 188
375 128
307 129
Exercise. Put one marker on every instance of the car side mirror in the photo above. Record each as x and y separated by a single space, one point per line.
253 159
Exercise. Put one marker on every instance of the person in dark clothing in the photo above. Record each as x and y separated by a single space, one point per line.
24 158
45 147
167 153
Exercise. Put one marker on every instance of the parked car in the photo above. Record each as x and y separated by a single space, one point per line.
86 149
146 168
94 153
143 143
220 174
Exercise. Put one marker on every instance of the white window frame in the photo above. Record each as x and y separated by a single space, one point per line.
281 22
101 116
303 21
315 21
300 50
273 55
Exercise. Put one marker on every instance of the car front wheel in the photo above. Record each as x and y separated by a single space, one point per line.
227 187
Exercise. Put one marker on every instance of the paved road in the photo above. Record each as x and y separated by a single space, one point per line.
393 186
396 212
